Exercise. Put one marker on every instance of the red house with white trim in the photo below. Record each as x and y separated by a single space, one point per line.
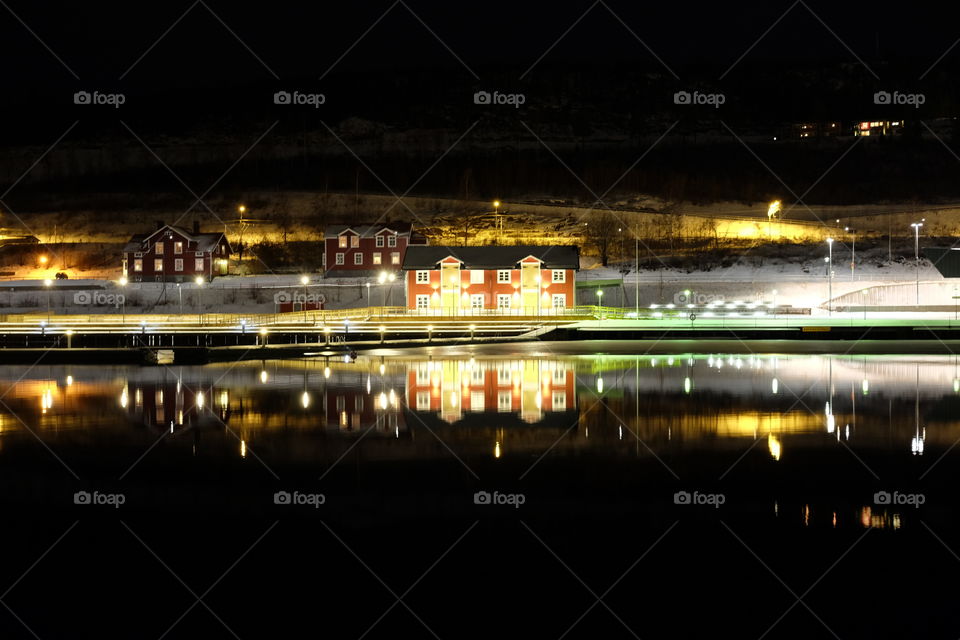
521 280
172 254
366 249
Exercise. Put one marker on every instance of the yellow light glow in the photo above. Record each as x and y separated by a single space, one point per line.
263 376
774 445
200 400
305 400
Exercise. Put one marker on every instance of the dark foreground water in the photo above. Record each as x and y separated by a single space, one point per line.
483 495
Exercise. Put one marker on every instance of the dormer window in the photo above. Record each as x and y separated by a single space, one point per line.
343 242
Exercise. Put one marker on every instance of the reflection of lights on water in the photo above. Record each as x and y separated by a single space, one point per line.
834 519
599 385
846 433
124 398
263 376
305 400
775 385
200 400
383 368
453 398
865 386
956 385
224 398
69 380
46 400
383 400
368 384
686 385
776 508
774 445
806 515
326 372
620 429
538 400
916 443
243 448
496 449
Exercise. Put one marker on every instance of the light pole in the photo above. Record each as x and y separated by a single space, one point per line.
369 304
853 250
600 303
497 221
865 293
383 279
123 301
199 283
774 304
830 278
48 283
916 252
304 280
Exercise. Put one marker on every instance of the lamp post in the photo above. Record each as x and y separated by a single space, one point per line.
369 304
497 221
853 251
774 304
304 280
600 303
199 283
47 284
830 277
180 294
123 301
916 252
865 293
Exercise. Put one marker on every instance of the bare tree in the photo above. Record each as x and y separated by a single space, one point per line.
600 233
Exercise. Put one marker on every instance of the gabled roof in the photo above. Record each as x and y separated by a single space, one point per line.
204 241
368 230
492 257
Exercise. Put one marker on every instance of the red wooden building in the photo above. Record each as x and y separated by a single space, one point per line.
367 249
172 254
521 280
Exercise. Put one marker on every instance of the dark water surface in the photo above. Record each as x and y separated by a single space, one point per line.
483 494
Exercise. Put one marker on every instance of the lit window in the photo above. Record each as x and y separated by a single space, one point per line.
178 264
178 247
358 258
343 242
339 258
158 265
138 265
354 242
379 241
158 248
198 264
504 401
476 276
503 275
423 400
391 241
395 257
559 400
423 277
559 275
503 301
423 302
376 258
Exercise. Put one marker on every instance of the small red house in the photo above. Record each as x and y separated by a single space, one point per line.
365 250
521 280
172 254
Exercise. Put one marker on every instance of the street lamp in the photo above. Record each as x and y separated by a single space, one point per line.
600 303
853 251
383 279
774 303
830 277
199 282
304 280
497 221
865 293
123 300
916 252
47 283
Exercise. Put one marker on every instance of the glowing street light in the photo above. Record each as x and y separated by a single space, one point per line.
916 252
600 304
830 277
304 280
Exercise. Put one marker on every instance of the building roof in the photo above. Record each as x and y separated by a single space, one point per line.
492 257
205 241
368 230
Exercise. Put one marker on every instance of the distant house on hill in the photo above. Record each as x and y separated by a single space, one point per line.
523 280
360 250
173 254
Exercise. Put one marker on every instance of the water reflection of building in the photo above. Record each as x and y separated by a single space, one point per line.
171 403
528 389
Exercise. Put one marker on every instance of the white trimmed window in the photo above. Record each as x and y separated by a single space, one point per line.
178 264
358 258
339 258
503 300
158 248
198 264
504 401
559 400
178 247
137 264
503 275
476 301
476 276
423 277
379 241
395 257
423 401
158 265
559 275
423 301
376 258
354 242
476 401
391 241
342 242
